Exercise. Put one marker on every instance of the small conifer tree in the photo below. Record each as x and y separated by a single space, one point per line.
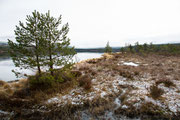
130 48
40 43
122 49
108 49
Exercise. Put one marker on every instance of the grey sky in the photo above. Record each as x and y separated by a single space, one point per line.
94 22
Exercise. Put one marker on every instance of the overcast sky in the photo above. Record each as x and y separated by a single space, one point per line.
94 22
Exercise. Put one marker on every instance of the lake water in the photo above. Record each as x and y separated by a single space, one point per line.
6 65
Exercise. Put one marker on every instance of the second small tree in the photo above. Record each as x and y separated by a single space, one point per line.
108 49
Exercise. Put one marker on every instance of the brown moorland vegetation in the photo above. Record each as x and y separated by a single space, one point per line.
126 84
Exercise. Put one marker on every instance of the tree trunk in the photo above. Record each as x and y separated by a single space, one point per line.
37 58
51 65
51 61
38 65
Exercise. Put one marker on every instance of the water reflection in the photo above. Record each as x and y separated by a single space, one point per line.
6 65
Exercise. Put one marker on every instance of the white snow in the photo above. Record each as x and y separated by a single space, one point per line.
103 94
3 112
53 100
124 107
104 85
117 102
130 64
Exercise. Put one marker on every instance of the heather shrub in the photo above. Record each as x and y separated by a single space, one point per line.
44 81
76 73
156 92
85 82
166 82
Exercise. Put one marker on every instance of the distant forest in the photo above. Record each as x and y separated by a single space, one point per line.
166 49
137 48
96 50
4 50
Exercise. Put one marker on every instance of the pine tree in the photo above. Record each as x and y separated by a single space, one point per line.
130 48
57 43
108 49
122 49
138 47
26 51
145 47
39 43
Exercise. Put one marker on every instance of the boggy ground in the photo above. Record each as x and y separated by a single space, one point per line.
115 86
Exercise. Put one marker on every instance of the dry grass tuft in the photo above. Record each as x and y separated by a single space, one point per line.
16 85
6 86
156 92
98 110
3 94
117 56
92 72
107 56
126 74
94 61
84 68
40 96
176 77
124 71
2 83
23 82
85 82
21 93
9 91
153 111
76 73
167 82
136 72
123 98
107 64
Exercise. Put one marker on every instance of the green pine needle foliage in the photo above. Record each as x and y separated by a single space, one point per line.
40 43
108 49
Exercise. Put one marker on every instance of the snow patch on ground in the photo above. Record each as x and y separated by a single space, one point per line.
131 64
54 100
3 112
138 92
172 97
117 102
103 94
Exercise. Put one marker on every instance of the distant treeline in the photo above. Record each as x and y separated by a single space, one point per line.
152 48
96 50
137 48
4 50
